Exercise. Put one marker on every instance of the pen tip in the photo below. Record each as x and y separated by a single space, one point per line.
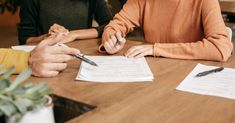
95 64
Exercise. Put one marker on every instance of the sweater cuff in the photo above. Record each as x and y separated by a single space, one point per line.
16 58
156 49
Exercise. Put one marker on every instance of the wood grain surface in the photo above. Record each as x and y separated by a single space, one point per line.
147 102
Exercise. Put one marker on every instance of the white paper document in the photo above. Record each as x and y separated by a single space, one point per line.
26 48
220 84
115 69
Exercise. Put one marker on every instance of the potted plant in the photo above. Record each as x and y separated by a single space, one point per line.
9 5
24 103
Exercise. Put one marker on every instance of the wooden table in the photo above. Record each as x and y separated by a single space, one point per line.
228 7
147 102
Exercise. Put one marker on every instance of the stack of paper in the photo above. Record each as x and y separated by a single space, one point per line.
115 69
26 48
220 84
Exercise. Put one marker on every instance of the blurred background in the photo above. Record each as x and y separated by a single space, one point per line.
9 18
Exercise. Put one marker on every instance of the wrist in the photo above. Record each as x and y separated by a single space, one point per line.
76 34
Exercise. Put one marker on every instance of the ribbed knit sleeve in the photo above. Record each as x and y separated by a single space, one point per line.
188 29
214 46
29 14
102 15
19 59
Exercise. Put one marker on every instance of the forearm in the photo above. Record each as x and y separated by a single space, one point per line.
213 48
85 33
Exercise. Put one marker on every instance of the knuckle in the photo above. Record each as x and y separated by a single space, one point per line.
52 73
44 49
43 67
45 58
55 73
64 66
42 73
67 58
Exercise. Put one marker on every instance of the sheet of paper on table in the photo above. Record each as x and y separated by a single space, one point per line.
115 69
220 84
26 48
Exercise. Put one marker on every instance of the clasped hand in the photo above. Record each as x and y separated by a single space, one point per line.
68 36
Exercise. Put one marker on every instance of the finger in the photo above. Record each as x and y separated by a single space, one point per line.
63 50
115 44
55 25
51 32
66 32
137 52
131 50
120 38
144 53
110 42
133 54
57 58
63 30
45 73
49 74
107 37
52 40
52 73
55 66
58 28
107 47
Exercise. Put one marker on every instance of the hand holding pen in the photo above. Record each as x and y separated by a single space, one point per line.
48 60
114 43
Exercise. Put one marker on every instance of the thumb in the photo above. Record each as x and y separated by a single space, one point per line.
68 50
53 40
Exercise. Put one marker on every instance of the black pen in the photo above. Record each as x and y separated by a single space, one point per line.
209 72
80 56
83 58
117 43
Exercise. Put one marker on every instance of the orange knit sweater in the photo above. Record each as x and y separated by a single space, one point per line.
185 29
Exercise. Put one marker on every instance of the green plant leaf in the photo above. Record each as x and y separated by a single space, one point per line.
15 98
4 83
6 98
19 79
28 85
19 91
5 74
23 104
36 88
7 108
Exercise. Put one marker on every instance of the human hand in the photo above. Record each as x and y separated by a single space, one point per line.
56 28
69 37
114 43
139 51
47 59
